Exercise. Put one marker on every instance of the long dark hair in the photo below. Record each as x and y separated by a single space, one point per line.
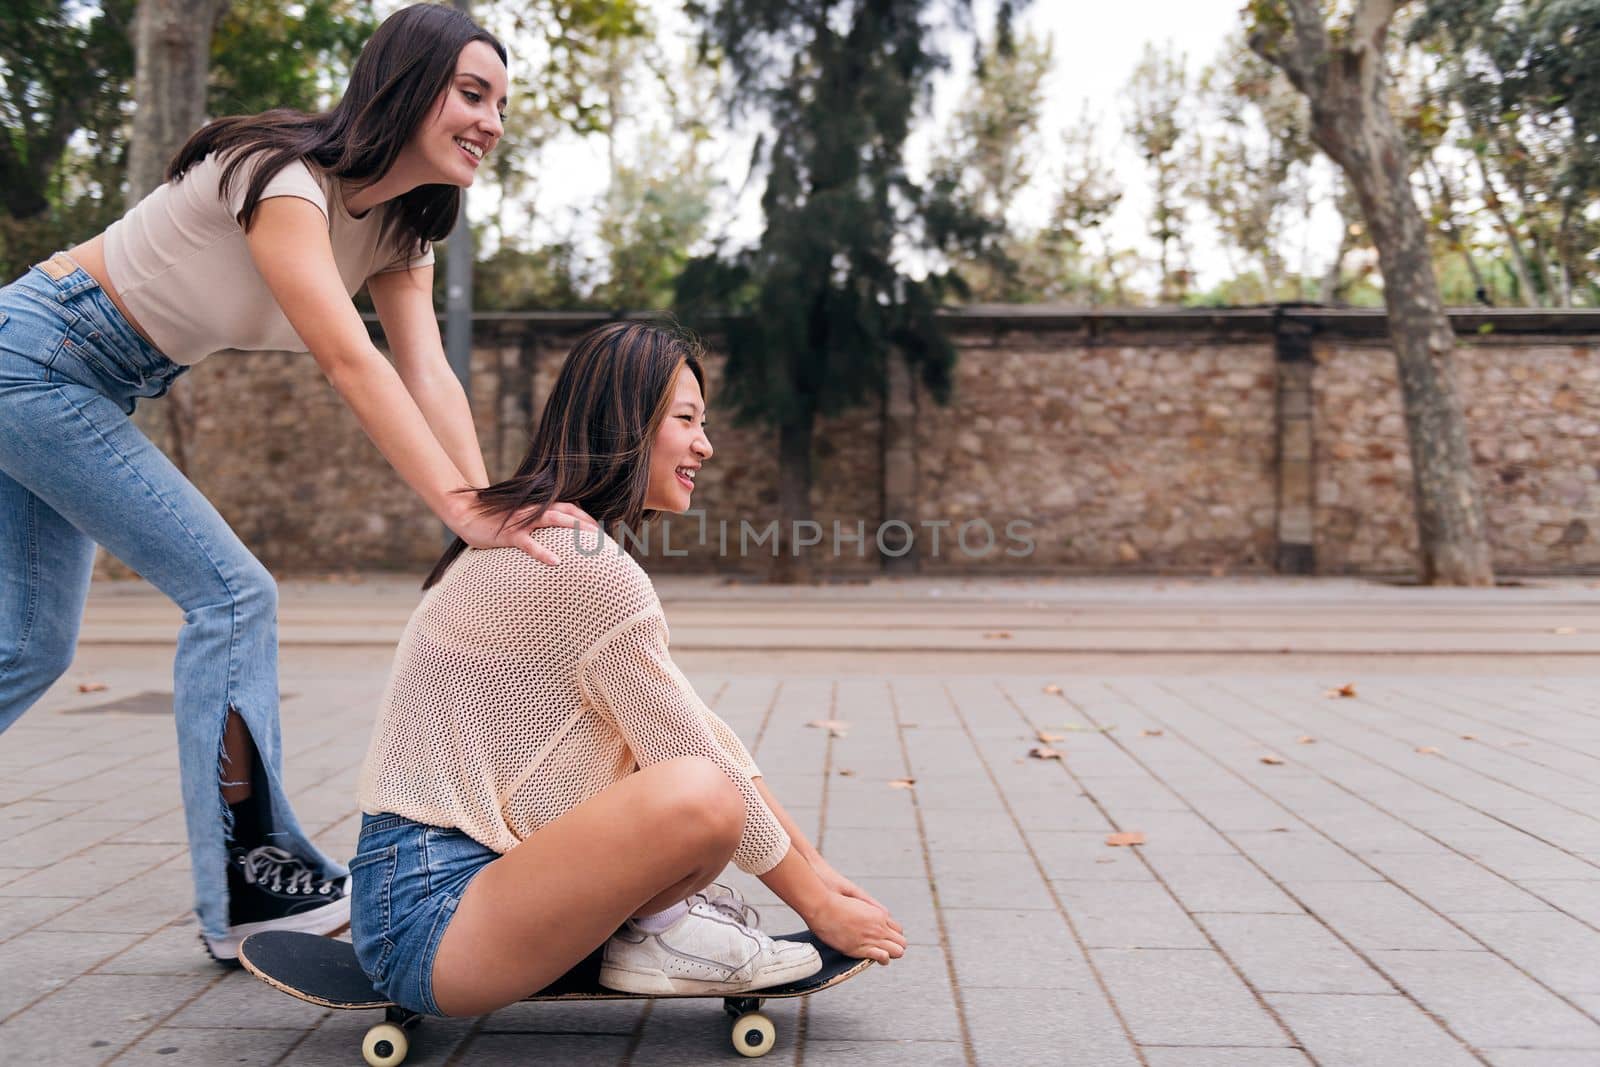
396 80
592 444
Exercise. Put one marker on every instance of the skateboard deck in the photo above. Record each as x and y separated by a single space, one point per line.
322 971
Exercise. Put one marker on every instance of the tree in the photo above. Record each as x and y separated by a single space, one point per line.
1518 77
1342 72
63 78
1254 161
172 57
822 303
987 161
1158 121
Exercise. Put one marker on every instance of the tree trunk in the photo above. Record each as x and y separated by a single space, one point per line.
1348 89
172 58
794 499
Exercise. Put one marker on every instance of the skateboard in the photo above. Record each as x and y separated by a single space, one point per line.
323 971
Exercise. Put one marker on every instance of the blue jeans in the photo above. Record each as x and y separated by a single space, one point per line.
75 470
405 883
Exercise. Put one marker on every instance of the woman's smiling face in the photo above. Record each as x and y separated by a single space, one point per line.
680 447
467 123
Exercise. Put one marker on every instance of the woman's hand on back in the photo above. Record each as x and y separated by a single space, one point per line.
492 531
859 929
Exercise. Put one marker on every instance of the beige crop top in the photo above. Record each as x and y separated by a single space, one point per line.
179 261
520 690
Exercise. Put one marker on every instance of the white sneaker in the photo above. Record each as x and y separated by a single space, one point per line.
726 898
706 951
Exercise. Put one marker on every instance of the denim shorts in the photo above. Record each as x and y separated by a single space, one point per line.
406 881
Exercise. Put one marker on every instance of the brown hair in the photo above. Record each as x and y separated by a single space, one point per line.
592 444
397 79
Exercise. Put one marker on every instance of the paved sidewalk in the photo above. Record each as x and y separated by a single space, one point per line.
1408 876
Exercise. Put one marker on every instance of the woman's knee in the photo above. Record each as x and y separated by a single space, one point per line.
698 796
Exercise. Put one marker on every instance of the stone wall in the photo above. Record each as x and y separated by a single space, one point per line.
1124 441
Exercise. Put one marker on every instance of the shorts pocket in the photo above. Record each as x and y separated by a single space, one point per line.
372 876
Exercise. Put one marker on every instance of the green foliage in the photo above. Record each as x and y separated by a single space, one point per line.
822 299
1517 90
266 54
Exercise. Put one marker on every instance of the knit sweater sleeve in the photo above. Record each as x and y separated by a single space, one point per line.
629 677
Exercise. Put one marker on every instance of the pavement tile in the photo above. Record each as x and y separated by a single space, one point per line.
143 904
241 1000
1220 883
1518 856
1374 916
1223 1057
1522 1057
1128 915
40 961
1379 1031
1489 1002
172 1047
1014 949
1556 949
1581 900
869 853
905 1053
1291 954
1453 883
911 998
1085 856
973 880
1184 997
92 1018
18 914
91 872
970 831
1045 1028
337 1041
1302 857
517 1050
172 950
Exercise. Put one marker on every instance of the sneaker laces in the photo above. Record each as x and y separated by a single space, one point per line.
731 904
288 873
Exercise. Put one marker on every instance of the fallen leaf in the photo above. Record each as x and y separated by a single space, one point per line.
847 774
1131 837
1348 689
1050 739
1308 740
834 727
1053 690
1469 737
92 687
997 635
902 783
1565 630
1152 733
1272 761
1428 750
1044 752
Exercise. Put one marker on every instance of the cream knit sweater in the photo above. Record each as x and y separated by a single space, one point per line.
520 690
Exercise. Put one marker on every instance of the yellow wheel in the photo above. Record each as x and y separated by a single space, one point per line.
754 1034
385 1045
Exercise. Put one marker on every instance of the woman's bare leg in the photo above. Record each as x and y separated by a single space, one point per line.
638 847
241 753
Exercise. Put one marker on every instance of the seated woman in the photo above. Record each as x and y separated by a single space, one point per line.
542 779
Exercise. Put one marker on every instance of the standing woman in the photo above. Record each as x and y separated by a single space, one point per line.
265 229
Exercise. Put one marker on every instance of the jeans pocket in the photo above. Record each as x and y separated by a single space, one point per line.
372 876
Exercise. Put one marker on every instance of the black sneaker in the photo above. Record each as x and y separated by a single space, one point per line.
270 889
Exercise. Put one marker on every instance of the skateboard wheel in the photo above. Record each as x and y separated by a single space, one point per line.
384 1046
753 1034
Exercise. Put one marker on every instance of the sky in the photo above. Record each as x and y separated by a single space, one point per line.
1097 46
